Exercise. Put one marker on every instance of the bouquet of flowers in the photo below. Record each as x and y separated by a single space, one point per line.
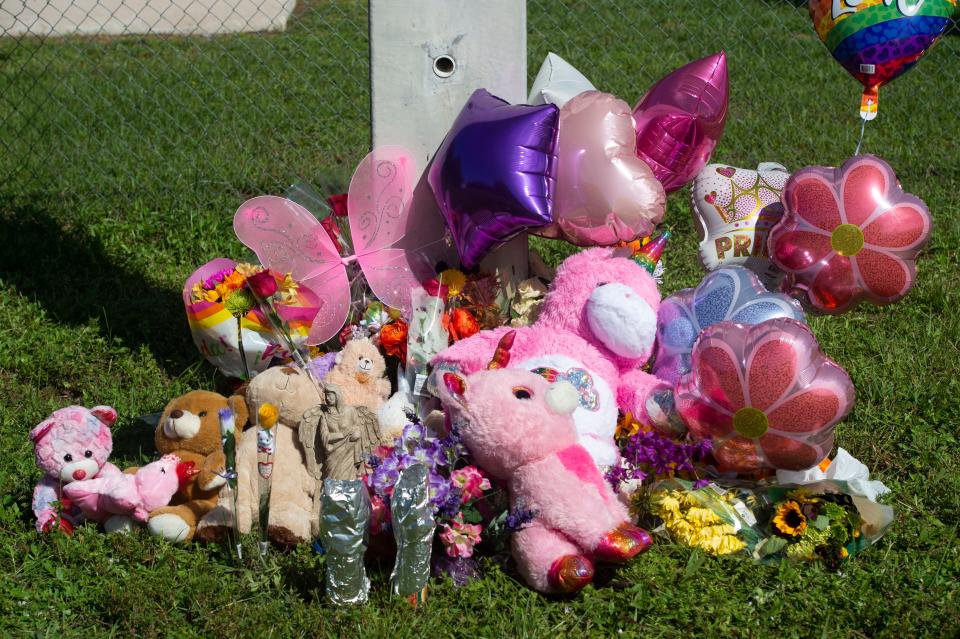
242 316
456 487
769 522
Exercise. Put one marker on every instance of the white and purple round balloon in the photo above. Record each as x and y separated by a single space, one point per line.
732 293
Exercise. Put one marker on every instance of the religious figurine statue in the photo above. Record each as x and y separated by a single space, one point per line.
338 438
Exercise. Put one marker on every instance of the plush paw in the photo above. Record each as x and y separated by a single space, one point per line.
570 574
282 537
623 543
212 534
119 524
169 526
215 483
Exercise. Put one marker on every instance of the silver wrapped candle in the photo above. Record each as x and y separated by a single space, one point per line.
344 519
413 528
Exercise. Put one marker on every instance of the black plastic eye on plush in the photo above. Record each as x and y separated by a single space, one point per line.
68 457
88 453
163 470
202 413
522 393
599 284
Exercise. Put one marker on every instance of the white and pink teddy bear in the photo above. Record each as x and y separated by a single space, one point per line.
519 428
132 496
596 330
72 444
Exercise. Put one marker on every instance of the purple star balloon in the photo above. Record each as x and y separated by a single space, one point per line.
494 174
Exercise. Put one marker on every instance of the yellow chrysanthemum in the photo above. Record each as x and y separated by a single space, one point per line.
246 270
627 426
454 280
288 289
702 516
665 502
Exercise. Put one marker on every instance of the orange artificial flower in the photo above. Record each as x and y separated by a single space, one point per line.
393 339
462 324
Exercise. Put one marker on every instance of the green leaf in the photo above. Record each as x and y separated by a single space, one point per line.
821 523
771 546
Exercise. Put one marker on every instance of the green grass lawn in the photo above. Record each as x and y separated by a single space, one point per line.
122 163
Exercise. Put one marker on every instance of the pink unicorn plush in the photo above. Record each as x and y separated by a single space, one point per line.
596 331
519 427
133 496
72 444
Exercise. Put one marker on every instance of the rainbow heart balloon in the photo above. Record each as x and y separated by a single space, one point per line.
878 40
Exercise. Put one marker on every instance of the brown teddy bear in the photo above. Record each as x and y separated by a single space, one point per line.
190 429
294 492
359 374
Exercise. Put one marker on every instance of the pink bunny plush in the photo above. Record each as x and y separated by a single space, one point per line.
596 331
519 428
72 444
133 496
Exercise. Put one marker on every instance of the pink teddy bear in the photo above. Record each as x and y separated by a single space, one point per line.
596 330
72 444
519 428
126 495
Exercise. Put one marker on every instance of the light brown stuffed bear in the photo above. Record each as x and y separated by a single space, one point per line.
359 374
294 493
190 429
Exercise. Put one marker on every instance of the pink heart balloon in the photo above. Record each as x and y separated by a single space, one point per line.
681 118
605 194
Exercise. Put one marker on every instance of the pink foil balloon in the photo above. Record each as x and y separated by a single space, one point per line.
849 234
605 194
766 395
681 118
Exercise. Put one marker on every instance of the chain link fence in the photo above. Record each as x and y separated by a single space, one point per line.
240 95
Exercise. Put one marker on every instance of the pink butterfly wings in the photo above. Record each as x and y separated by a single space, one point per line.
288 238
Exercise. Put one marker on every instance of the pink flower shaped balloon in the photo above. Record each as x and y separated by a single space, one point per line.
765 394
849 234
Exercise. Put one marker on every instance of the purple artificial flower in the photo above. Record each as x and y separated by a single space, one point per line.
451 506
649 452
212 281
412 433
518 519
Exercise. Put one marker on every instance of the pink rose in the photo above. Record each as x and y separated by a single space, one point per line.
262 284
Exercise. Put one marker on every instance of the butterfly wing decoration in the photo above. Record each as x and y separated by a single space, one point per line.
395 242
287 238
392 242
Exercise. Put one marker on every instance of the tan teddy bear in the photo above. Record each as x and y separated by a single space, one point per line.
190 429
359 374
294 494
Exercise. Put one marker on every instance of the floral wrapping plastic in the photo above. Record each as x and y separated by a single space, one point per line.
828 520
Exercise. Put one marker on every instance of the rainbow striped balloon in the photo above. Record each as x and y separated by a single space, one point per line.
877 40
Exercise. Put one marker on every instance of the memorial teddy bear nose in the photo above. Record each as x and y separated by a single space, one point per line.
176 414
79 474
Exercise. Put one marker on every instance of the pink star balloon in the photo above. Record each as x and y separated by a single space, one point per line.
849 234
681 118
765 394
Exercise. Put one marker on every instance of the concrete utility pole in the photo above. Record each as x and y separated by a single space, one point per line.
426 58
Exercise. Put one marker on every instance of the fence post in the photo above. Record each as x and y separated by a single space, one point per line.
426 58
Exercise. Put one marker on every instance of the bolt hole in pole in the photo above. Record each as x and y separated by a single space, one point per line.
444 66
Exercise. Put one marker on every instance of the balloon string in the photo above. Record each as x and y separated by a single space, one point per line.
863 128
